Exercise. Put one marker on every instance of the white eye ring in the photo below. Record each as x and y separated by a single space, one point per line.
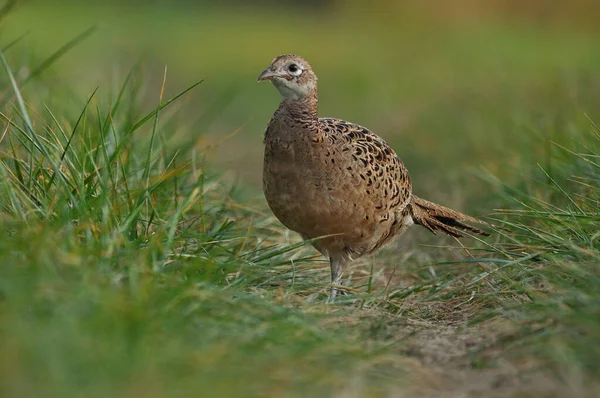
294 69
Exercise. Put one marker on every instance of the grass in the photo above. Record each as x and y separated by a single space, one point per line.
558 221
131 265
129 269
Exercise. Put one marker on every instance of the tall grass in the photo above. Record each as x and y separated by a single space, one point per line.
128 268
557 225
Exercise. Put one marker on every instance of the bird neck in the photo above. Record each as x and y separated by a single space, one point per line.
304 109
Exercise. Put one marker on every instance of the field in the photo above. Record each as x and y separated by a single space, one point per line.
138 255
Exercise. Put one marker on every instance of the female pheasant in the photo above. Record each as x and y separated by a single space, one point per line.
335 182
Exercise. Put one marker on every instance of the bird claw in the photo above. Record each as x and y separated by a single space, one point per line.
334 292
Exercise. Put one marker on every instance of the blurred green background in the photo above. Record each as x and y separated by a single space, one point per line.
184 284
452 85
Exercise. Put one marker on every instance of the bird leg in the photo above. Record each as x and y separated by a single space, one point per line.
337 269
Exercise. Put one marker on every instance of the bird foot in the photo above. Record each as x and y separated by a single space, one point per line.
334 293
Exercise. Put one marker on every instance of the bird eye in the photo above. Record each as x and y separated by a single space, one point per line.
294 69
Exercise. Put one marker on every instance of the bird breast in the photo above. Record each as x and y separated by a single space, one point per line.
318 188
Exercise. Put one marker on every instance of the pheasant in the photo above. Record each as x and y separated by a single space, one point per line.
336 183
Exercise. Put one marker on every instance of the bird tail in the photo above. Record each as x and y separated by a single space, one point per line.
436 218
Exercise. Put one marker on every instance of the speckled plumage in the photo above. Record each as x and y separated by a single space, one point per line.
337 181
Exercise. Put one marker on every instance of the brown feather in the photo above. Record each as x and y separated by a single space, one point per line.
436 217
335 182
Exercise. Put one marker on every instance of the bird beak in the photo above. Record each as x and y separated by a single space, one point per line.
266 75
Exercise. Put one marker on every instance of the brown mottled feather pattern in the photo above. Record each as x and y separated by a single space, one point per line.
335 178
436 217
329 178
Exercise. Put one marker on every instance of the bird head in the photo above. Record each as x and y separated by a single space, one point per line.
292 76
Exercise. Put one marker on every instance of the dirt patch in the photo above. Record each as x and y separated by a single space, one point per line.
447 352
439 360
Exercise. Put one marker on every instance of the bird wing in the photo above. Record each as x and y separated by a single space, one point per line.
383 175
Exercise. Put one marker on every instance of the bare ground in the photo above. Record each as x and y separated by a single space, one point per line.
435 359
432 343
